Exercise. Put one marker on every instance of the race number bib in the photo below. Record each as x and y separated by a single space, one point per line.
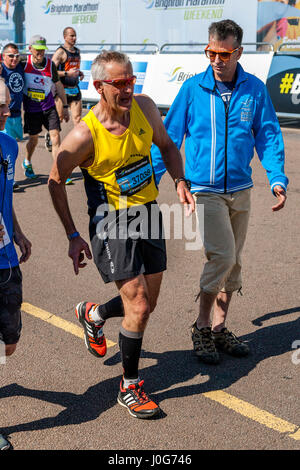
134 177
36 95
72 91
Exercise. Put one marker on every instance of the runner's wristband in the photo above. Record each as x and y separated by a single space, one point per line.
73 235
187 182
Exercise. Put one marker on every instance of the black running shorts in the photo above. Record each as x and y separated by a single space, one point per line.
10 305
128 242
71 98
33 122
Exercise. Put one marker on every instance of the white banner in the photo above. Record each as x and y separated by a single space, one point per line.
136 21
96 21
182 21
161 76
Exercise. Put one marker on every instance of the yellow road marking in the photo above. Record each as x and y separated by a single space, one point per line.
57 321
229 401
254 413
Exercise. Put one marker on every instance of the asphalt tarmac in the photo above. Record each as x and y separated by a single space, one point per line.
56 396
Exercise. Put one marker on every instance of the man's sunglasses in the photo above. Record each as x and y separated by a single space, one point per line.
13 56
224 55
121 83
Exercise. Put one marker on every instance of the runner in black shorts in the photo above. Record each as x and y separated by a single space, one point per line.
112 145
39 105
10 306
34 122
67 61
132 242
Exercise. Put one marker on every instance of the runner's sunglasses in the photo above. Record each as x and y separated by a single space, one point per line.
13 56
224 55
121 83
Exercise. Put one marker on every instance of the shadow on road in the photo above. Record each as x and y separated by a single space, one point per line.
40 180
172 367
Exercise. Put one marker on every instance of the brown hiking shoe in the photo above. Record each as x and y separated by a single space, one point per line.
227 342
204 346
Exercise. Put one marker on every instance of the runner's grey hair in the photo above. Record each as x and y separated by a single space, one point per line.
98 68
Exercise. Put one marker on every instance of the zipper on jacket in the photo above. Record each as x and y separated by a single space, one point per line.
226 137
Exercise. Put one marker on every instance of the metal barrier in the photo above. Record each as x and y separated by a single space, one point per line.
192 47
143 48
134 48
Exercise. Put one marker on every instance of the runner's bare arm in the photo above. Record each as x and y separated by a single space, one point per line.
23 243
170 153
77 149
59 57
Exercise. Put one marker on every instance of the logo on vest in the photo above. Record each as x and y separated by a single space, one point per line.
39 80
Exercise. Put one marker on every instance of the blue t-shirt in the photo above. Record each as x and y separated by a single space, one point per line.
225 89
14 79
9 149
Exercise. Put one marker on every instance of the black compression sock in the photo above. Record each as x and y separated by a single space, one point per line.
130 346
112 308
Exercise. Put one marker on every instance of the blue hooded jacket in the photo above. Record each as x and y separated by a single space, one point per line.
219 144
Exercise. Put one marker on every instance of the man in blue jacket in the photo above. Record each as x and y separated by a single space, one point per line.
224 113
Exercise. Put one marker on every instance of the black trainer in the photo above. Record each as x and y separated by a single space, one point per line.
135 399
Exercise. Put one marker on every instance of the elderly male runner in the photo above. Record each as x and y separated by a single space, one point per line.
112 147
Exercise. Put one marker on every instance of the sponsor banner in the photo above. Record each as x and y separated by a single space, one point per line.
283 83
95 21
136 21
161 76
182 21
167 72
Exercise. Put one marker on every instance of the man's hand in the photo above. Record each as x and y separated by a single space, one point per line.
77 248
73 72
281 197
2 233
66 115
81 75
186 198
25 246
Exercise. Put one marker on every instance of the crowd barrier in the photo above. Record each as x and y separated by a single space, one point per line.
162 70
160 73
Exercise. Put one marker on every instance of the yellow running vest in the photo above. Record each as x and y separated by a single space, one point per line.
121 173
